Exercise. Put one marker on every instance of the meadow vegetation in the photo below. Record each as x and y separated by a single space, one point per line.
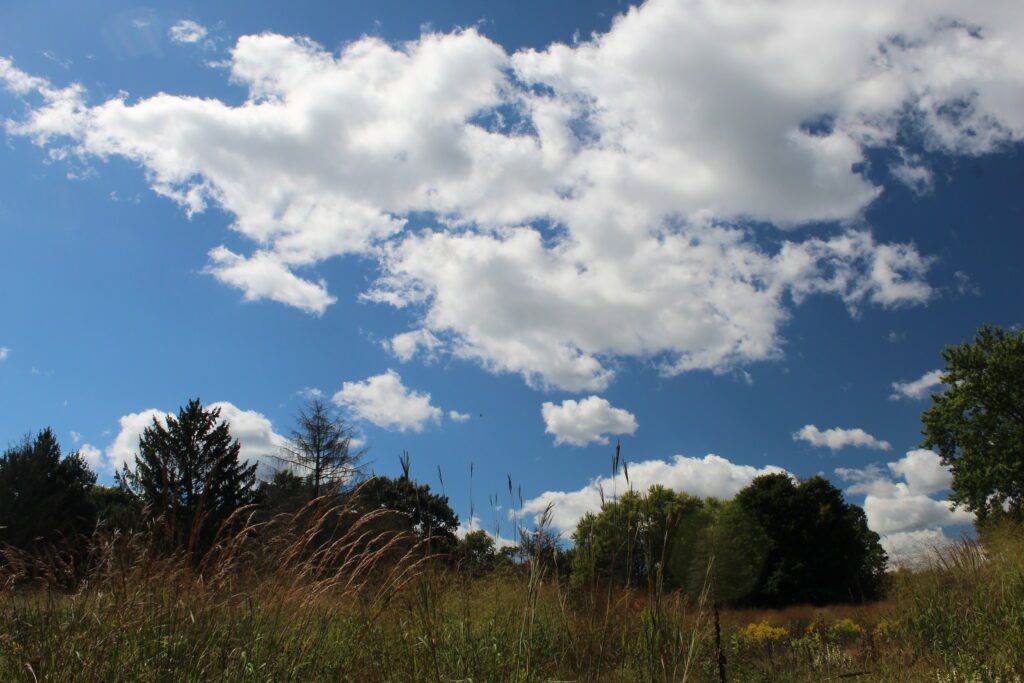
191 570
334 594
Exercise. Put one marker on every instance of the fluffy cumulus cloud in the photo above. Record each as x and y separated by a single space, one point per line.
93 457
837 438
906 513
917 389
125 445
923 471
406 345
384 401
586 421
456 416
711 475
260 443
186 32
621 196
255 433
914 548
261 276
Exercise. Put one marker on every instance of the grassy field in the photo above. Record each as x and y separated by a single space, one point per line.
273 604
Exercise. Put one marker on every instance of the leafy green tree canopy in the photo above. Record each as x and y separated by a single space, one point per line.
818 548
429 515
475 552
977 424
189 476
640 536
778 542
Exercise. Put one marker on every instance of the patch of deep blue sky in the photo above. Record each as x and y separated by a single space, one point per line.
107 311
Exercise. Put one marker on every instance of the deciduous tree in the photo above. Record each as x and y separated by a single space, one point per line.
320 450
818 548
977 423
429 515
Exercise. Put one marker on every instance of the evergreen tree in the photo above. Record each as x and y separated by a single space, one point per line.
189 477
43 497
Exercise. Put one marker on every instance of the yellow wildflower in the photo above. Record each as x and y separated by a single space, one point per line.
845 628
763 633
886 628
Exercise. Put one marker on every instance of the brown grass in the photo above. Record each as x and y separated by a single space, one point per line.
330 594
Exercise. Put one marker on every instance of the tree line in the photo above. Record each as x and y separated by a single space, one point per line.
777 542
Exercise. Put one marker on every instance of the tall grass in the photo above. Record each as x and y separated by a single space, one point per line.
966 607
328 594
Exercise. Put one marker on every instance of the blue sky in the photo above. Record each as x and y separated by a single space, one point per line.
715 231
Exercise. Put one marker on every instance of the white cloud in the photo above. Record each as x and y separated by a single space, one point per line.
917 389
914 548
75 436
187 31
894 507
965 286
586 421
255 433
516 305
591 201
711 475
263 276
4 352
384 401
837 438
406 345
125 446
92 456
456 416
911 512
923 471
310 393
912 172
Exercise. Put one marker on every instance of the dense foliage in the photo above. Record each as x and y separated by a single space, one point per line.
371 581
44 497
977 423
641 537
779 542
818 548
428 514
189 476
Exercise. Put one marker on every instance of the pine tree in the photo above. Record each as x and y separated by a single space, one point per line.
189 476
44 497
